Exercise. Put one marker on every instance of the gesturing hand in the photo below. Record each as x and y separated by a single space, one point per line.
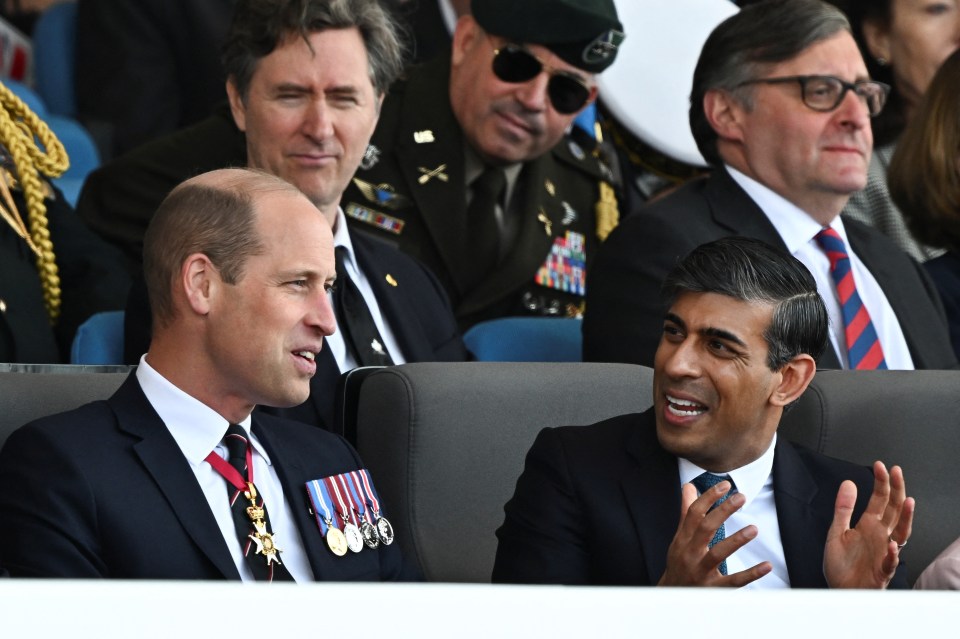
689 561
867 556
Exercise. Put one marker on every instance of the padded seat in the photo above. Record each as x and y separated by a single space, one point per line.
32 391
907 418
445 443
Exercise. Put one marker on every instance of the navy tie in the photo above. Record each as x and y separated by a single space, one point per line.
354 319
705 482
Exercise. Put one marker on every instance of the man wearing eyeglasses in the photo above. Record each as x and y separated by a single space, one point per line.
780 107
469 169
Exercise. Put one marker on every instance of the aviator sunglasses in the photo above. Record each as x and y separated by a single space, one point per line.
514 64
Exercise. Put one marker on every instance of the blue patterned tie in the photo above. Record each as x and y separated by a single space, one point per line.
863 347
705 482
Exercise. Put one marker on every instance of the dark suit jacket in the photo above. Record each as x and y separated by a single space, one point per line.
119 198
945 273
416 309
624 318
148 67
104 491
600 504
425 21
431 215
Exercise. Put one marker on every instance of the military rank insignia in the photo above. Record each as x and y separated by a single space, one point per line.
565 268
347 511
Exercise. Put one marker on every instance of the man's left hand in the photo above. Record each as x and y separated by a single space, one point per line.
867 556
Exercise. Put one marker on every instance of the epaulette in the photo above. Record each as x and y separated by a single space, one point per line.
584 153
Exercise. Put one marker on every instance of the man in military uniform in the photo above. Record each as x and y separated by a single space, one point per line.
469 169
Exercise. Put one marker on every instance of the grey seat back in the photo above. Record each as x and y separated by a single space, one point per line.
29 391
909 418
445 443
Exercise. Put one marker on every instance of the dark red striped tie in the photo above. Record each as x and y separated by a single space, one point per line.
863 346
236 443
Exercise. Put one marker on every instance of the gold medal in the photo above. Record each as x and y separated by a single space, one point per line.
336 542
266 546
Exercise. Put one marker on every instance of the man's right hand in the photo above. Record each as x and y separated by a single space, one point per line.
689 561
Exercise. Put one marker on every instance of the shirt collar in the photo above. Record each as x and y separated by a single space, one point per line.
748 479
474 166
341 236
197 428
792 223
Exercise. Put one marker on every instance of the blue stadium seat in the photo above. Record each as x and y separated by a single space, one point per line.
99 340
82 151
526 339
587 118
54 52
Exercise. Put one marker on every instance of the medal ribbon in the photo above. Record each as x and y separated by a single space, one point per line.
368 487
361 496
349 493
230 473
318 495
331 483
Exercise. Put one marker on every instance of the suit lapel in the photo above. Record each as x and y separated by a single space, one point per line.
293 470
321 388
877 261
733 209
394 304
164 461
651 488
442 203
794 492
532 245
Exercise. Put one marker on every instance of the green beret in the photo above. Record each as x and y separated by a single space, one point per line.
584 33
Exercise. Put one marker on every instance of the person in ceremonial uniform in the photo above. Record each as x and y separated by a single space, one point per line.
699 490
54 271
172 477
469 169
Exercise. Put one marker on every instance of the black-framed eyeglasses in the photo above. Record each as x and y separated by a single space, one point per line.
826 92
514 64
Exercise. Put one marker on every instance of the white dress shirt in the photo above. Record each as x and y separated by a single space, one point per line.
755 482
346 362
198 429
798 230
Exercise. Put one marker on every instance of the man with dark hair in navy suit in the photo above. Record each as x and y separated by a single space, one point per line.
601 504
238 264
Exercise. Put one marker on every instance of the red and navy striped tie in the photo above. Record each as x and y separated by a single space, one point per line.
863 346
